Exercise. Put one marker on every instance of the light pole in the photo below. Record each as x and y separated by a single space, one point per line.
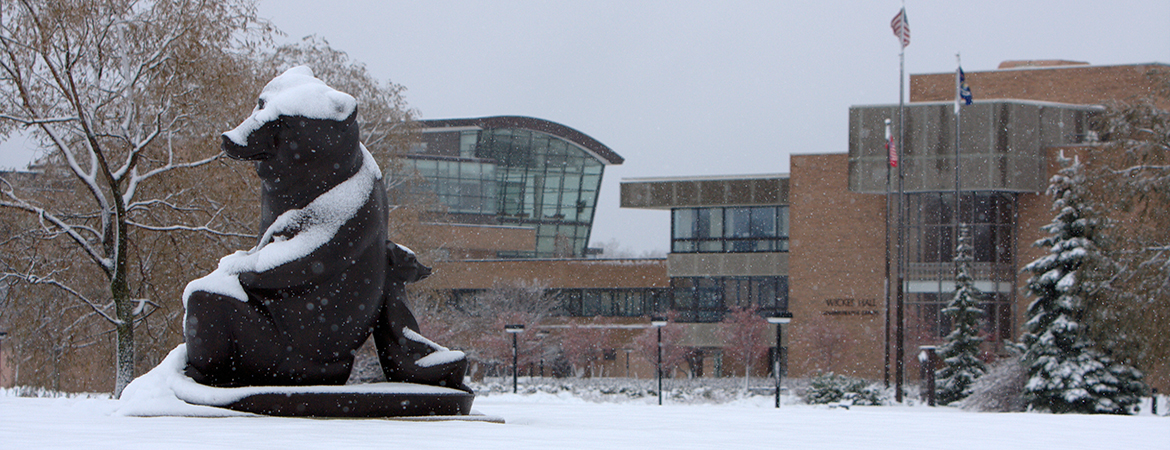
659 322
541 334
4 334
514 330
926 358
627 350
779 319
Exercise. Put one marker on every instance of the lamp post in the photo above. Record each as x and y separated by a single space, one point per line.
514 330
541 334
627 350
659 322
4 334
779 319
926 358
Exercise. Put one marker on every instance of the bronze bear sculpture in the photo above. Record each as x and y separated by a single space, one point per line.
323 277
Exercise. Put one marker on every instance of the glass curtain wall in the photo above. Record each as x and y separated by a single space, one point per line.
516 177
464 186
729 230
931 242
545 182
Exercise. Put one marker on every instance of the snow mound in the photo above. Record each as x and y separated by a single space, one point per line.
296 92
167 391
158 392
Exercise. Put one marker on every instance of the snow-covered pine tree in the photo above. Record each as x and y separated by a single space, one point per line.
960 352
1066 371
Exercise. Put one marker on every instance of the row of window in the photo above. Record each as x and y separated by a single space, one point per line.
611 302
708 299
697 299
729 229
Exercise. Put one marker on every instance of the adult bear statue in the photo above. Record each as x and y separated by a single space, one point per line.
323 277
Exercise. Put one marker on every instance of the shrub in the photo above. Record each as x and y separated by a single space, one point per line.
830 387
1000 390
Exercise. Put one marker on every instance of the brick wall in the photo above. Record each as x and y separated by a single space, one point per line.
1065 84
836 268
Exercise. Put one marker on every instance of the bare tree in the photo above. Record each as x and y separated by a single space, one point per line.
584 345
745 337
1132 175
674 355
119 92
506 303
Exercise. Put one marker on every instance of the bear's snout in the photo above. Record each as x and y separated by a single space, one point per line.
261 144
239 152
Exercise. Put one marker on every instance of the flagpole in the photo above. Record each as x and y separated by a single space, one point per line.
886 372
958 129
900 334
902 32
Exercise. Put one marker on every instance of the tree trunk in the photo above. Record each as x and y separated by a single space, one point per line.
124 364
123 305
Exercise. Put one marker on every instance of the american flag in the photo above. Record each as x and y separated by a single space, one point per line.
901 27
890 146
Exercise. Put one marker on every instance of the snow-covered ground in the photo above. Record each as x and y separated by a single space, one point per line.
547 421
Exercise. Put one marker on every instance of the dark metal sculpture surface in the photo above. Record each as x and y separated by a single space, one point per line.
299 320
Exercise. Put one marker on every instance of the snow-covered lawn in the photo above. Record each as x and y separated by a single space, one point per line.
546 421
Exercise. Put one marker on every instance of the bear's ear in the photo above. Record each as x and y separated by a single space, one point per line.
342 103
352 116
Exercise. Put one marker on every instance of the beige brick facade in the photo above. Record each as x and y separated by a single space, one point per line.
1078 84
836 272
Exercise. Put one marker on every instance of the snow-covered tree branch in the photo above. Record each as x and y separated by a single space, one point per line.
99 84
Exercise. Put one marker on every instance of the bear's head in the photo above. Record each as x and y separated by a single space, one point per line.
303 136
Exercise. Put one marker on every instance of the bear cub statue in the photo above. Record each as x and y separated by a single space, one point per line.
323 277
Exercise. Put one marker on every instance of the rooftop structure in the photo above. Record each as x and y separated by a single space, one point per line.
518 172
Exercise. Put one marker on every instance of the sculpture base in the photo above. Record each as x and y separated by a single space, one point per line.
355 404
166 390
356 401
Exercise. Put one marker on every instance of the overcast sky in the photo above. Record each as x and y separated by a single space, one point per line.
700 88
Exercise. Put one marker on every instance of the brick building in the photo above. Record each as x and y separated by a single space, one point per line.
812 243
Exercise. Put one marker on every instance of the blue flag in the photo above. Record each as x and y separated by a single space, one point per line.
964 90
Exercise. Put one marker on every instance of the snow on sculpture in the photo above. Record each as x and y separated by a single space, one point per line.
323 278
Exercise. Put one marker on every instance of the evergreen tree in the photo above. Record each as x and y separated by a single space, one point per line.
960 352
1067 373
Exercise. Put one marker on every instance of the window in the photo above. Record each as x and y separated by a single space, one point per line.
930 324
730 230
707 299
467 142
463 186
611 302
990 216
932 238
